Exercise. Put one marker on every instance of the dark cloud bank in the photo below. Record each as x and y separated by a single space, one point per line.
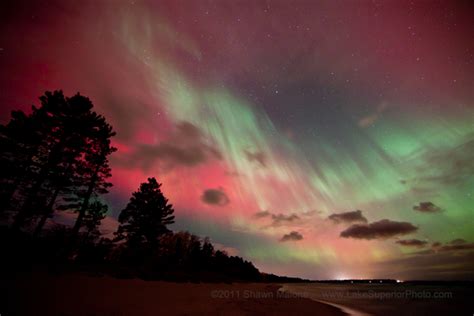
458 244
187 147
434 262
427 207
215 197
382 229
412 242
262 214
293 236
277 219
348 217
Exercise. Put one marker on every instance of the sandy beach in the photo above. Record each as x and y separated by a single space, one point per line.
85 295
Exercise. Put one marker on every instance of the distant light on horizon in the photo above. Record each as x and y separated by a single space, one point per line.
342 277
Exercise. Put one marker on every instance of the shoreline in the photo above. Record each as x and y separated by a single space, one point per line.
345 309
389 299
348 310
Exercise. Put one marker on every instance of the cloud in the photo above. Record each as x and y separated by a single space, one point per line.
311 213
412 242
279 218
293 236
382 229
257 156
187 146
444 167
427 207
457 244
457 241
370 119
453 166
348 217
116 106
429 265
457 247
215 197
262 214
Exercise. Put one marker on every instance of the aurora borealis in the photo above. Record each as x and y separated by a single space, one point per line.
327 139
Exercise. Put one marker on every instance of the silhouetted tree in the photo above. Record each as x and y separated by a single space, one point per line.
56 126
93 169
207 252
146 216
95 213
184 256
55 156
20 141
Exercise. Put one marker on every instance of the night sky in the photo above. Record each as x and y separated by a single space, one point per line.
321 139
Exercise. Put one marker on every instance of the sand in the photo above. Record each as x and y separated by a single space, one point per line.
85 295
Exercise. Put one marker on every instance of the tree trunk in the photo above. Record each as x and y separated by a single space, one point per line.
47 212
84 206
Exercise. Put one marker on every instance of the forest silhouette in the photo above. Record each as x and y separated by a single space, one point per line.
56 159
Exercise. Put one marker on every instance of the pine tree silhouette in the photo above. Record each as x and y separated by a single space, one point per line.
146 216
54 158
96 212
93 169
20 142
58 125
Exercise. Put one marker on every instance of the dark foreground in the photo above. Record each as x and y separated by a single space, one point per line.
79 294
84 295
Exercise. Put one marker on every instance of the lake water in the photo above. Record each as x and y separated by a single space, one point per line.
390 299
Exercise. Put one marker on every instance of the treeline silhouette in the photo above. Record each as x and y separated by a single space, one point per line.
56 159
